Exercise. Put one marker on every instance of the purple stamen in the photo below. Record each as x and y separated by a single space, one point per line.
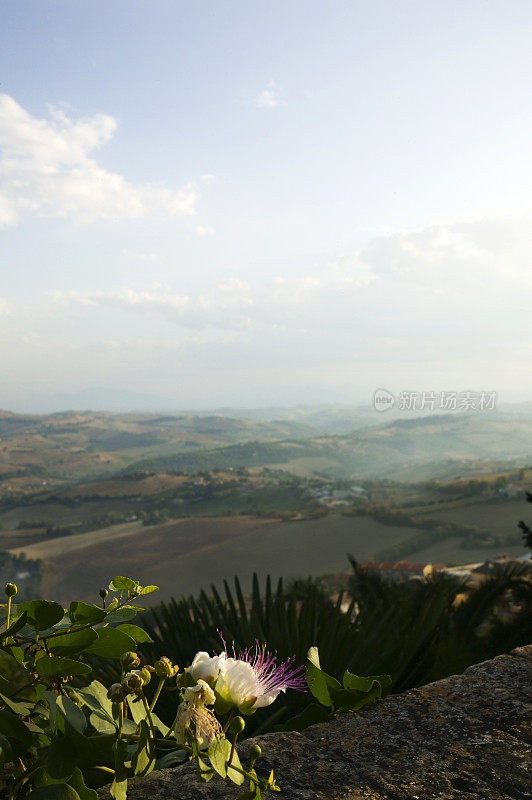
273 677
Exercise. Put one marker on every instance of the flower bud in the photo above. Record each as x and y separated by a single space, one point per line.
254 752
164 668
103 593
237 725
145 674
129 660
133 681
117 693
11 589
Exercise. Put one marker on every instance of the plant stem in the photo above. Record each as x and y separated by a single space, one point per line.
8 619
148 716
246 774
233 745
228 721
120 720
157 693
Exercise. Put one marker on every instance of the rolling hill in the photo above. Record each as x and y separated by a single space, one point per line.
404 449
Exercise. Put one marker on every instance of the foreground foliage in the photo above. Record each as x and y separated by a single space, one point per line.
417 631
63 735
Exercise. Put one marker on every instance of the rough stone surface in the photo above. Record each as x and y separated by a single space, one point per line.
464 737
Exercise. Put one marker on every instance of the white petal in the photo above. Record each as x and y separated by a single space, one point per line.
205 667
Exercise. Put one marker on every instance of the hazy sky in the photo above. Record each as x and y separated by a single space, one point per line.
261 203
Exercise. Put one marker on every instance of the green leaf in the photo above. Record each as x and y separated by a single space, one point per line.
123 614
101 722
13 727
95 696
77 783
43 778
15 626
111 643
72 713
118 788
205 773
143 759
318 681
62 757
171 759
311 715
51 699
13 676
138 712
354 699
356 682
60 667
41 614
100 752
136 633
85 613
219 753
217 757
19 707
149 590
164 729
121 584
55 791
69 644
365 684
384 680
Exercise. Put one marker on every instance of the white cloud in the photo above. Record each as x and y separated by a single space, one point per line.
46 169
226 306
448 270
204 230
268 97
139 256
438 307
454 256
442 276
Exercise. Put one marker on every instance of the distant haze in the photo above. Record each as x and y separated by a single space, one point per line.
263 204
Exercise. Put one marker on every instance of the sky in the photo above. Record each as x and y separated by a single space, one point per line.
249 204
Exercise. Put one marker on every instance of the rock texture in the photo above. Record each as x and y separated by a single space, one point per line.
464 737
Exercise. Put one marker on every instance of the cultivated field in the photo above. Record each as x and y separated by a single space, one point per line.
186 555
499 518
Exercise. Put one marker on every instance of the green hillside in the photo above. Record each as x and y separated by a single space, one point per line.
405 449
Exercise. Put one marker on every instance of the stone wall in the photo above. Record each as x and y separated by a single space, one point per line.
464 737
